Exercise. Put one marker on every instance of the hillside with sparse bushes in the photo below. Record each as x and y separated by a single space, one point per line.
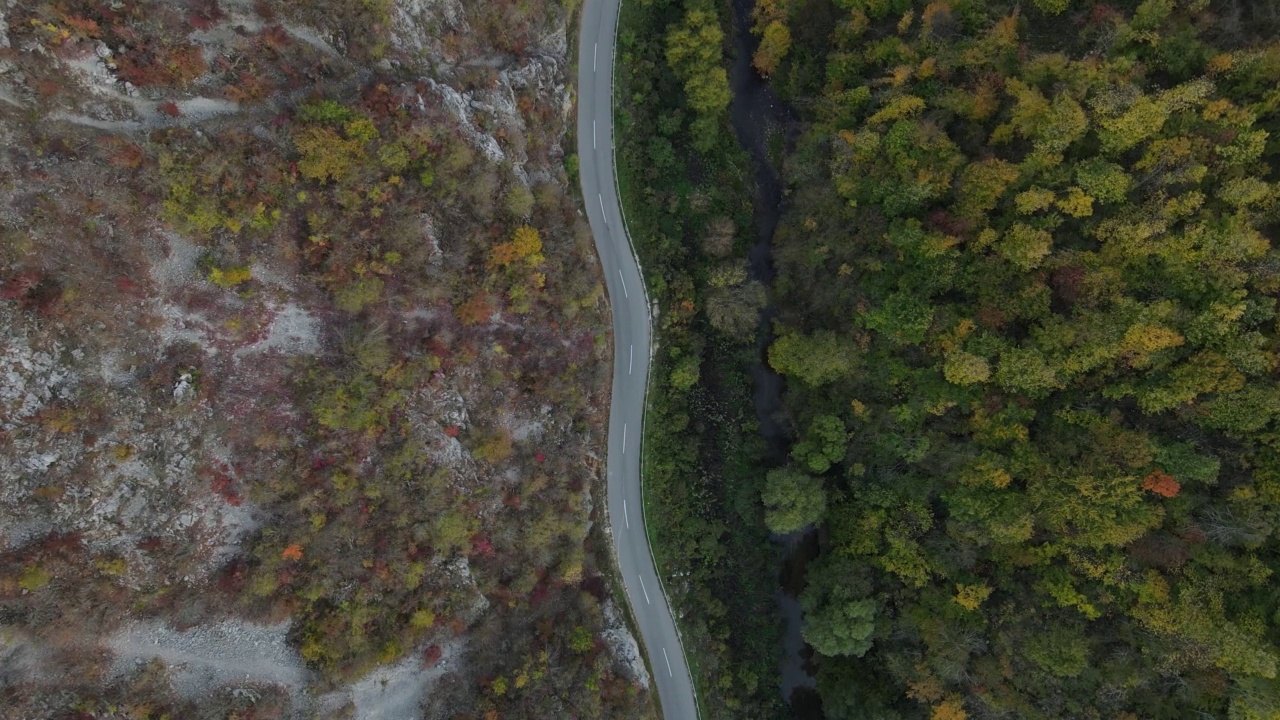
302 366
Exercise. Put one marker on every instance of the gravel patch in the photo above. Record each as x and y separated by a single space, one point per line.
207 657
293 331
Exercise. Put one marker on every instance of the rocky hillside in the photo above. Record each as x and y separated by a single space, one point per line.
303 360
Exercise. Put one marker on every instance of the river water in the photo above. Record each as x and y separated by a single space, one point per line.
763 123
759 119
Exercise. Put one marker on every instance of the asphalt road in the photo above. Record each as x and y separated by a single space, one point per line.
631 335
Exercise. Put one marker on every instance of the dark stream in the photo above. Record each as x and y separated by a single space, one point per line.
759 117
761 120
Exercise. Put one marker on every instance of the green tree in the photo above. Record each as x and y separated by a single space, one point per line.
822 445
1143 118
686 372
694 50
986 516
817 359
982 184
452 532
792 500
34 578
964 368
839 625
355 295
327 156
903 317
581 640
1025 246
1255 699
1246 411
1026 370
519 202
1059 649
1105 181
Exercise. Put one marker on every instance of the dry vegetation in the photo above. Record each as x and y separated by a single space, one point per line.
302 366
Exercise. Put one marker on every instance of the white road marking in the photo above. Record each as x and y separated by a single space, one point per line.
624 438
602 213
593 134
625 294
624 513
668 661
631 359
646 592
595 50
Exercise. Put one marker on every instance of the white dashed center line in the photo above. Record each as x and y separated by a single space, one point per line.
646 592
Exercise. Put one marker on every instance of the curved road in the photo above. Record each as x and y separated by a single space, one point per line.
630 360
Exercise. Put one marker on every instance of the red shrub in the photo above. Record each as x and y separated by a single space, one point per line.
1103 12
57 542
247 88
1067 281
264 10
482 546
431 655
124 154
232 578
1161 483
595 586
203 14
991 317
165 66
83 26
948 224
475 310
220 483
20 285
321 463
540 592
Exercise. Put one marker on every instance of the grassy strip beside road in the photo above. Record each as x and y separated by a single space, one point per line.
689 214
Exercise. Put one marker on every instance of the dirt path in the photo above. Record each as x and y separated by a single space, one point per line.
203 658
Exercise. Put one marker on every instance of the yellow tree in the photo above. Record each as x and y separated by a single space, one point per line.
525 246
774 44
950 709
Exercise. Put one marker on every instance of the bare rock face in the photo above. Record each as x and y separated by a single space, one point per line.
300 365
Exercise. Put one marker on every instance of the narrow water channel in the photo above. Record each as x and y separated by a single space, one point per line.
762 122
759 119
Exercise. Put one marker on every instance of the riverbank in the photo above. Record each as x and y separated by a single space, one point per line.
691 217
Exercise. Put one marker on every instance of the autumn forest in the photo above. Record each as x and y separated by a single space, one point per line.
1025 308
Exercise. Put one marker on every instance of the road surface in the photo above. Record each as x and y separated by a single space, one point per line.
630 360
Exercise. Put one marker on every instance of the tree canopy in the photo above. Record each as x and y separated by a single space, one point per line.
1028 299
793 501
